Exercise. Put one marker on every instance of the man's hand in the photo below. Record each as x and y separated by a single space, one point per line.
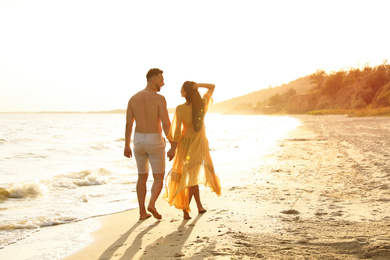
128 153
171 153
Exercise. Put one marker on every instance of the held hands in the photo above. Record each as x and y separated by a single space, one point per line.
171 153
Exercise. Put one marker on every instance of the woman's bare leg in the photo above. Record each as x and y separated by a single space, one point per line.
197 200
190 194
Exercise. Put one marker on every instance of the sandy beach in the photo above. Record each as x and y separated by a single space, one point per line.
324 193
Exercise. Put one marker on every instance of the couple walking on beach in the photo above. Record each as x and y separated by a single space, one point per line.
192 164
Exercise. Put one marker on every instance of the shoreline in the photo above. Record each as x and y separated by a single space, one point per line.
313 197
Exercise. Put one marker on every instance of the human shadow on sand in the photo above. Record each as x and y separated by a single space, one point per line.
110 251
173 242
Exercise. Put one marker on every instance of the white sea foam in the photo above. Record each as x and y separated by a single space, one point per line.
83 178
13 232
38 222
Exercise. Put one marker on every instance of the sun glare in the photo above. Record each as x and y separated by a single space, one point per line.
243 136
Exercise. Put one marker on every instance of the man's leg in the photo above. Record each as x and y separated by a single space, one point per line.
141 194
142 161
156 154
155 192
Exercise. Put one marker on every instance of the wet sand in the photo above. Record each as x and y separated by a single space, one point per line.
323 194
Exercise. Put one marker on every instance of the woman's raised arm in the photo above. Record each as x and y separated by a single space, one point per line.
204 85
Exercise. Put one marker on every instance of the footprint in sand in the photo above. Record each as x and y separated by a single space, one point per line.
221 211
214 219
290 212
337 214
320 213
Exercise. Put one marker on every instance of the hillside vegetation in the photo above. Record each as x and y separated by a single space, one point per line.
257 101
360 91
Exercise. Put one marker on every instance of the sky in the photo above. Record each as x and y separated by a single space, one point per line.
93 55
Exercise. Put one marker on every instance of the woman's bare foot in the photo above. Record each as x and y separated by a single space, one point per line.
202 210
186 215
144 216
154 212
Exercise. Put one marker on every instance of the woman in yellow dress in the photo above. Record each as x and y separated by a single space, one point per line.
192 164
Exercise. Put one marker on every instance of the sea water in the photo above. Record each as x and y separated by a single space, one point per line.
60 168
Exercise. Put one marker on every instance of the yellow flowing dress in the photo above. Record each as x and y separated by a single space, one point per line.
192 164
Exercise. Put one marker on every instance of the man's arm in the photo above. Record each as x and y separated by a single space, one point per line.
129 129
164 116
166 123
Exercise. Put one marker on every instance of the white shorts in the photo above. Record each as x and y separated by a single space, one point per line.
149 148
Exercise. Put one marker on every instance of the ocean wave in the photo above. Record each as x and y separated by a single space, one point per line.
67 181
19 140
82 178
23 190
10 233
38 222
4 193
122 139
30 155
100 147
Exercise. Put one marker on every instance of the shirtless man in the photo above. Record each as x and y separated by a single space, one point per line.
149 110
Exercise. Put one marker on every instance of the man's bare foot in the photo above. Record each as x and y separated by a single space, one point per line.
186 215
202 210
154 212
143 217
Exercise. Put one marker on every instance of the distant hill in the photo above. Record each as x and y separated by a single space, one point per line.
238 104
354 89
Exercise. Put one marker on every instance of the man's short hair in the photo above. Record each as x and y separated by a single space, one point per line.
153 72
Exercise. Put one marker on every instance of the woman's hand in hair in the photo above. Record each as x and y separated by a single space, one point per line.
204 85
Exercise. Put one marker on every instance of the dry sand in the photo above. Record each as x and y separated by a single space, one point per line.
323 194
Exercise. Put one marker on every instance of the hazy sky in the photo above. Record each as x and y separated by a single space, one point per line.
93 55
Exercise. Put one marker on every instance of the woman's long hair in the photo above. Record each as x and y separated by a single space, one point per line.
193 97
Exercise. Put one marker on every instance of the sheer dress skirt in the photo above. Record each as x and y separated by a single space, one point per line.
192 166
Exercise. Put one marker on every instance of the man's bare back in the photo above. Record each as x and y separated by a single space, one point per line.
145 106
